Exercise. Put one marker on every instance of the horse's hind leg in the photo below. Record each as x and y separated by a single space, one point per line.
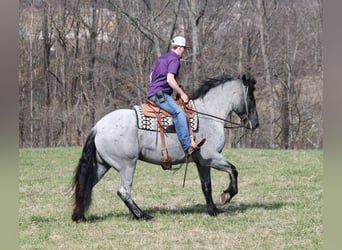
124 192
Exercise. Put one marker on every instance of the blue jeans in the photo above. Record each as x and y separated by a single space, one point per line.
178 118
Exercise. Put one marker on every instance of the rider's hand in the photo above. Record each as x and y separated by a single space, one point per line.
185 98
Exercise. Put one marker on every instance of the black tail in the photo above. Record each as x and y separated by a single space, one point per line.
84 179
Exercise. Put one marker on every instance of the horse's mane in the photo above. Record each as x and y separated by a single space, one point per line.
209 84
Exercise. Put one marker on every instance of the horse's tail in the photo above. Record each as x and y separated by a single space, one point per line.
84 178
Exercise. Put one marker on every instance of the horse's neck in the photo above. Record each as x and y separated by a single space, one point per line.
219 101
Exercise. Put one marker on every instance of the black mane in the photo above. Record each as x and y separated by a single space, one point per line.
209 84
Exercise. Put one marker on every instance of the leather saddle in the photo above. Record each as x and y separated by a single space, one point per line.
150 109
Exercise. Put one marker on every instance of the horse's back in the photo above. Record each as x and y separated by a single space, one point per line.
121 119
116 136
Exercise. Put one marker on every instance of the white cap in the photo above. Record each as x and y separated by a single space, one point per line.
178 40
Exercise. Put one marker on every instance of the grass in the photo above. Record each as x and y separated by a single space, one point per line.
279 204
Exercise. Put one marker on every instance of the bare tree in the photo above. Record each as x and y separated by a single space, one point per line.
146 30
47 36
196 10
264 16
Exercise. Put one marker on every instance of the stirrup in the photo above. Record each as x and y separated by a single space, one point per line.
166 163
197 145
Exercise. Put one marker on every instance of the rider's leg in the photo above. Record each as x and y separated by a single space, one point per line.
179 119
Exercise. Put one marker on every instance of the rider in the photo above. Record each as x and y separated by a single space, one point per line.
163 83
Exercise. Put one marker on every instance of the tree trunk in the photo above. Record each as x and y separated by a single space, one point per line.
285 121
91 63
196 10
31 85
46 65
264 50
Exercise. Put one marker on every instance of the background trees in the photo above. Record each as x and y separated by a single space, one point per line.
82 59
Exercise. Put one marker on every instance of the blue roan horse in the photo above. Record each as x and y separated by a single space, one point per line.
115 141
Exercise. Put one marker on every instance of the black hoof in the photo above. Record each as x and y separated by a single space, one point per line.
144 216
78 219
147 217
214 211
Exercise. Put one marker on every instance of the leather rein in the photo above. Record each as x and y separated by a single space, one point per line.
236 125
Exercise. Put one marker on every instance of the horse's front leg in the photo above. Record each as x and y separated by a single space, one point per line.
232 190
204 174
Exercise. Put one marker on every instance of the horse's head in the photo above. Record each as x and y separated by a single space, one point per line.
221 101
248 111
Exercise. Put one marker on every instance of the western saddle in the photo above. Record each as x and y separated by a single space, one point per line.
150 109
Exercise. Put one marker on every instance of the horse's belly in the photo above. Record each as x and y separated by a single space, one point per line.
151 150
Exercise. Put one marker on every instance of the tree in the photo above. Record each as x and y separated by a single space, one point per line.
196 10
264 17
47 37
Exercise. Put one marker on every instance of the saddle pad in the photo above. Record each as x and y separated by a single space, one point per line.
150 123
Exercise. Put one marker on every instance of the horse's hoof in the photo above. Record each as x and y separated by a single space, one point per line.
78 219
147 217
225 197
214 212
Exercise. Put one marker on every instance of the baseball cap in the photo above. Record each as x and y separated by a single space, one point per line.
178 40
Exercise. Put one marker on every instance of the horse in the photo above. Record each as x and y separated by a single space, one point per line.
116 142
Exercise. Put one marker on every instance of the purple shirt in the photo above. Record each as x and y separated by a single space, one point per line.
167 63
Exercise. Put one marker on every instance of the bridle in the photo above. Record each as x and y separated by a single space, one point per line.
243 118
245 98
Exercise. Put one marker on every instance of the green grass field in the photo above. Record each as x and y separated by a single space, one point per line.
279 204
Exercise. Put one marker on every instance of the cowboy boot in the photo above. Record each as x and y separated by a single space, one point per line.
195 146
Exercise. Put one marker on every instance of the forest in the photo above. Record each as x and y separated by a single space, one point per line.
80 60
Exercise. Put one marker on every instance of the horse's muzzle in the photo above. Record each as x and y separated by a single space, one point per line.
249 123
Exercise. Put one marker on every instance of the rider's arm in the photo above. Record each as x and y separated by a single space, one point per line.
174 85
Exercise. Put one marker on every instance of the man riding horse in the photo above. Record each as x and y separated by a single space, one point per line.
117 142
163 83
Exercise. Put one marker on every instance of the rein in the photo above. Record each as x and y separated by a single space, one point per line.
237 125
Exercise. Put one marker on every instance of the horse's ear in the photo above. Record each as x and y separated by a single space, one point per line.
244 80
248 81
